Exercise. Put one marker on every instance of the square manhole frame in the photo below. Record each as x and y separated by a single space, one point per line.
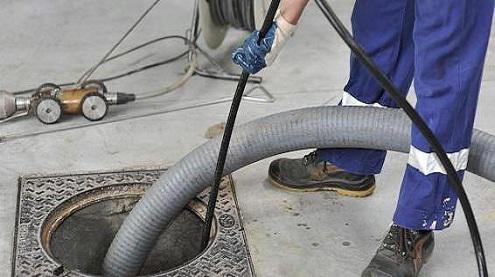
227 255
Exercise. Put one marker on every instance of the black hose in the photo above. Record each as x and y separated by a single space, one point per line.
394 93
229 127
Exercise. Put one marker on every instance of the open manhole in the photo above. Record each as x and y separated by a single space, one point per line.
65 224
78 232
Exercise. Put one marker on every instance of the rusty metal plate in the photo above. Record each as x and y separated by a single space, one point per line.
40 197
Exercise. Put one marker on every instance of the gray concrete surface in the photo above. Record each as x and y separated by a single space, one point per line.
289 234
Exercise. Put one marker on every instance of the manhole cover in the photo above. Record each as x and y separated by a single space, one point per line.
65 223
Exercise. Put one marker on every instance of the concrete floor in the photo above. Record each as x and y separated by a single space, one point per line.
289 234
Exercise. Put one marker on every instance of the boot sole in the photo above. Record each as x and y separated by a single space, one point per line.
329 187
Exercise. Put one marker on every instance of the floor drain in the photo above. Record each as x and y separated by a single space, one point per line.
65 224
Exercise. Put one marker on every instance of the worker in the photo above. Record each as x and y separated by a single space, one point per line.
442 46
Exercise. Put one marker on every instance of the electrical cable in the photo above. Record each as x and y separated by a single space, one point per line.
191 68
395 94
143 68
148 43
128 73
85 77
229 126
189 73
153 41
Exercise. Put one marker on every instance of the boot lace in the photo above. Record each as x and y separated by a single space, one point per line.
400 241
309 158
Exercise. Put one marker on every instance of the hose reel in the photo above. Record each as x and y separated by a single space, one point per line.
216 16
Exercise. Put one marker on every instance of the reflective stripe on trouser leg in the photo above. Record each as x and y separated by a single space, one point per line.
451 38
388 41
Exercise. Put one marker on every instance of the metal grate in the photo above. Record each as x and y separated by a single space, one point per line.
41 196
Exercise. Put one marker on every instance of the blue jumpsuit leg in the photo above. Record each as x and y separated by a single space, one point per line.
450 38
384 29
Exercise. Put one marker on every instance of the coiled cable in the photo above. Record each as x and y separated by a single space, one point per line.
236 13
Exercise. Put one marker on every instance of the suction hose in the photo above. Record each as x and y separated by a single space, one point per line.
318 127
131 267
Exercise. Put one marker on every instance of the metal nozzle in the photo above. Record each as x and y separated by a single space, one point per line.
119 98
22 103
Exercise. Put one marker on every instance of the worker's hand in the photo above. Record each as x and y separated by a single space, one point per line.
253 57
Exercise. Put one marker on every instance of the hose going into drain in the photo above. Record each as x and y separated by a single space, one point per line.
223 151
133 241
319 127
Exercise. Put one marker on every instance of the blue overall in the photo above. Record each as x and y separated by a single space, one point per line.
442 45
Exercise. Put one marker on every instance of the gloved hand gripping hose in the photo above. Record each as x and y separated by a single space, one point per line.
229 126
394 93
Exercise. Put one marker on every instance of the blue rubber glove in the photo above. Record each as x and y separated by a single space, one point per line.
251 56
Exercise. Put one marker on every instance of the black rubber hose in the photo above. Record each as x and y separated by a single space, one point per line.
394 93
229 127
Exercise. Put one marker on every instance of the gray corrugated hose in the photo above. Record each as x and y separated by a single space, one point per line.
319 127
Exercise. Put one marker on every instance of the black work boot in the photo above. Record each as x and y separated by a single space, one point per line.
402 253
311 174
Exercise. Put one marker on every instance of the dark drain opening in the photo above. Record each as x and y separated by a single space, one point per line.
79 232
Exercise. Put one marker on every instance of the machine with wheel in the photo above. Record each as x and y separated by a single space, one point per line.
91 99
50 102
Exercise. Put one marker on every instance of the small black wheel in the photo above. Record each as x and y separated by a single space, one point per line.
48 110
48 89
94 106
95 84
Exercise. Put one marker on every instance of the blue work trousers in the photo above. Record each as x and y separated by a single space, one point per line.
441 44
